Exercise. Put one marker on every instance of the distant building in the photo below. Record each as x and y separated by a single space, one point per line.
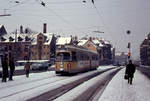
29 46
121 58
43 48
102 47
145 51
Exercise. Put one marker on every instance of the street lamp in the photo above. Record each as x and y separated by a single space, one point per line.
129 45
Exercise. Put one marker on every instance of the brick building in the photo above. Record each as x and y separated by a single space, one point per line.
145 51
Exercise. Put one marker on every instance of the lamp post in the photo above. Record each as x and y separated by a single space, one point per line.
129 45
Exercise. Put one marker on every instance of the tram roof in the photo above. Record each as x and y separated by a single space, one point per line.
73 47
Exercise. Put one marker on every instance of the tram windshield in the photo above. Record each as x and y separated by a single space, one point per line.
63 56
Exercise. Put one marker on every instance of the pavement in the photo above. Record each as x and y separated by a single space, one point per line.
19 70
119 90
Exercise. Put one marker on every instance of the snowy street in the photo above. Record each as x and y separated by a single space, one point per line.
23 89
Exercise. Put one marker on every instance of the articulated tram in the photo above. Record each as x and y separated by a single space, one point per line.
73 59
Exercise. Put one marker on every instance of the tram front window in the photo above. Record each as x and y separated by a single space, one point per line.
63 56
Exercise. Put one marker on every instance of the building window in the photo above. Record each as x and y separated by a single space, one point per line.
26 48
88 45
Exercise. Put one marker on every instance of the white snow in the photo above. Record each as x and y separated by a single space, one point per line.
23 88
119 89
63 40
16 68
106 67
76 92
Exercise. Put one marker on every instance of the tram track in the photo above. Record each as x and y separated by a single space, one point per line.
55 93
88 90
30 88
26 82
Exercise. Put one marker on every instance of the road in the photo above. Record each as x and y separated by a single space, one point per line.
47 86
97 85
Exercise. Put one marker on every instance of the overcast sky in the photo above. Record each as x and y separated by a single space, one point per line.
74 17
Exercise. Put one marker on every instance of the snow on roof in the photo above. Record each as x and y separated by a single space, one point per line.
107 42
48 38
63 40
96 41
1 25
23 36
82 42
100 44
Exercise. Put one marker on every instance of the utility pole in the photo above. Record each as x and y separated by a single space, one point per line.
129 46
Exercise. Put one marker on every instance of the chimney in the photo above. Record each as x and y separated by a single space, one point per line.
21 29
44 28
90 39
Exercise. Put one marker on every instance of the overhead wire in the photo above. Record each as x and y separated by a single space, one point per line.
100 16
59 16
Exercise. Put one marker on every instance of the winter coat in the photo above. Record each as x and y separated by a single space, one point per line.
5 67
130 70
27 66
12 65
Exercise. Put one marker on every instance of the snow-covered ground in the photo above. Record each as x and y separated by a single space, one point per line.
106 67
23 88
16 68
119 89
84 88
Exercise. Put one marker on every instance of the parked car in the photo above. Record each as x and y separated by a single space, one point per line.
40 66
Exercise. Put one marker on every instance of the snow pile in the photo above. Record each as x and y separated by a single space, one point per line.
106 67
119 89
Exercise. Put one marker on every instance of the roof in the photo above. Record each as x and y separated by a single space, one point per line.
1 25
63 40
23 36
2 30
49 37
97 42
82 42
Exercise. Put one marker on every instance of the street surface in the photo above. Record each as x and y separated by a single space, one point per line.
119 89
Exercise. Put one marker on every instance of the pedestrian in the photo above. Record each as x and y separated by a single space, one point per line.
27 68
4 68
12 68
130 70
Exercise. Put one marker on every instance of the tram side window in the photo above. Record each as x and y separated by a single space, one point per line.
74 58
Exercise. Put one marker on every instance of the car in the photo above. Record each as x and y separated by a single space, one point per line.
40 66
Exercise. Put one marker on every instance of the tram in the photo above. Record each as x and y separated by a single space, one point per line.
75 59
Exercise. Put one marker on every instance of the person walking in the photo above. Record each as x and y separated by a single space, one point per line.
4 68
130 70
27 68
12 68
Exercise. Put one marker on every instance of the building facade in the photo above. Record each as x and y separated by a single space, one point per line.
29 46
44 47
145 51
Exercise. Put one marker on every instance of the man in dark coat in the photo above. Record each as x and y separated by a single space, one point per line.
27 68
130 70
4 68
12 68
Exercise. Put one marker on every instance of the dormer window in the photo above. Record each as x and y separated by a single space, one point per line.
3 39
20 39
11 39
27 38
